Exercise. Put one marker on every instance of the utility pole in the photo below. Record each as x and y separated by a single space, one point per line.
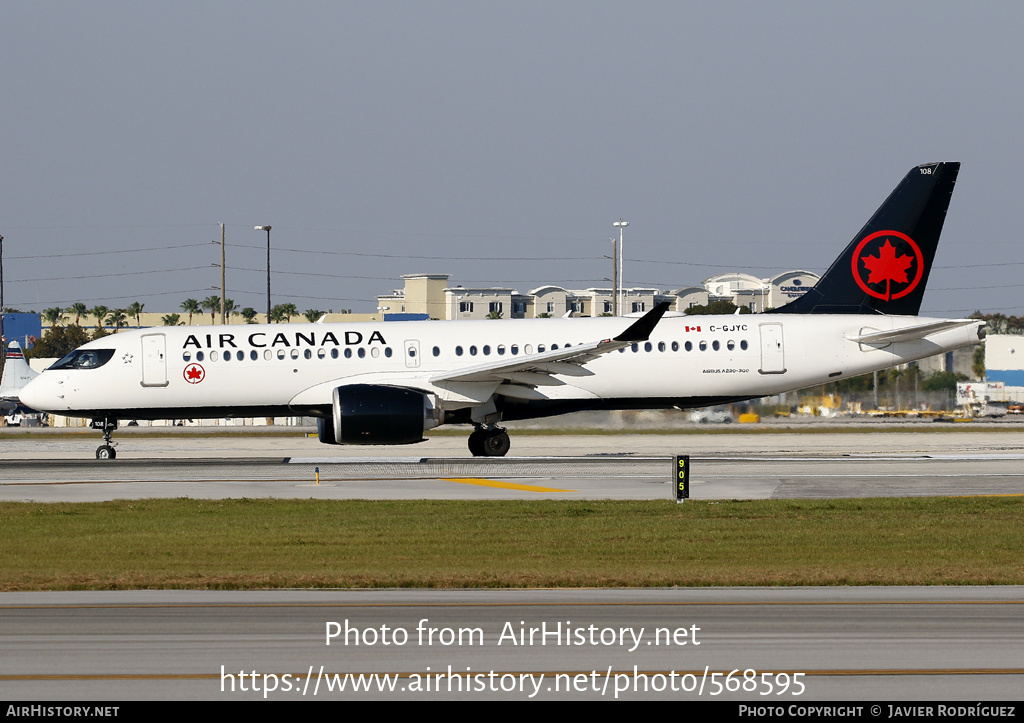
267 229
222 285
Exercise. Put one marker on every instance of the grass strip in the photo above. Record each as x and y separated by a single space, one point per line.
239 544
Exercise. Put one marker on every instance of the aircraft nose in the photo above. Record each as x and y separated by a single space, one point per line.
37 394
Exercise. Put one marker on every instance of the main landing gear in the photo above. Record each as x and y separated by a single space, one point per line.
489 442
106 450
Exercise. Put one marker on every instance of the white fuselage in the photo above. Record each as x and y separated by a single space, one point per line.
280 369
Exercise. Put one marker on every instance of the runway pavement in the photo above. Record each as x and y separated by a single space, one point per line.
723 466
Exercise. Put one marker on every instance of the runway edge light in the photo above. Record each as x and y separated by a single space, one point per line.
682 478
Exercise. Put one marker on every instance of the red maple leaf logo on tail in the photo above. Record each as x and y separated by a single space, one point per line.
892 264
888 267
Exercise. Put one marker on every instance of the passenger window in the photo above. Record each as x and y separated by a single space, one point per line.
348 353
213 356
703 346
186 356
280 354
361 352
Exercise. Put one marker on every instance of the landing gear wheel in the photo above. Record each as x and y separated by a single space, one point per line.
491 442
106 450
476 443
496 443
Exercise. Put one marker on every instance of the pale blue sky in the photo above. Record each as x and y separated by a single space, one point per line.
732 136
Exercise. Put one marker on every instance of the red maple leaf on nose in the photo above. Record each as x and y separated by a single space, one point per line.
194 373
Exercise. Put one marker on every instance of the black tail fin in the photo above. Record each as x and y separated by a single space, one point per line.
885 268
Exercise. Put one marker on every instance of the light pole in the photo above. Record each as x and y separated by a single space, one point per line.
622 281
267 229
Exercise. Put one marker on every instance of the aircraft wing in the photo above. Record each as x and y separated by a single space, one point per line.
540 369
911 333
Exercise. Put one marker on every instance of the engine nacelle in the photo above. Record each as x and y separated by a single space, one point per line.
373 414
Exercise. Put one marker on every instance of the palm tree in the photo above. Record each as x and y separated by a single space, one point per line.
276 314
249 314
100 312
312 315
192 307
212 304
117 319
53 316
170 319
289 310
229 309
79 310
136 310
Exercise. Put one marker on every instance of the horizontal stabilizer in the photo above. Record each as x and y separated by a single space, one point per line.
911 333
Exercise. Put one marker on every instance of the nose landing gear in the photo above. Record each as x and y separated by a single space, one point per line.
106 450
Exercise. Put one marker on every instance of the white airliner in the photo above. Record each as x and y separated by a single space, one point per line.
386 383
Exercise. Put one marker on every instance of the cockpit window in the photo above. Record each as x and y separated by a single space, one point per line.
85 359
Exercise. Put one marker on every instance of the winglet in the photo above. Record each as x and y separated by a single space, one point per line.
642 328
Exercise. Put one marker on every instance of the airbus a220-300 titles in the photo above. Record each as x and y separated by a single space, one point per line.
369 383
